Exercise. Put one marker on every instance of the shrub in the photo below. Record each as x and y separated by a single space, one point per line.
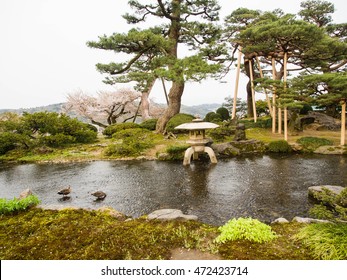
220 133
245 228
327 241
213 117
111 129
280 146
305 109
58 140
7 142
176 152
264 122
177 120
149 124
310 144
224 113
85 136
15 205
133 142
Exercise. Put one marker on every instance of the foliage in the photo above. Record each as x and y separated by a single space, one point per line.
331 205
224 113
320 211
305 109
177 120
213 117
241 106
245 228
16 205
149 124
51 129
114 128
279 146
263 122
7 142
310 144
221 133
176 152
327 241
133 142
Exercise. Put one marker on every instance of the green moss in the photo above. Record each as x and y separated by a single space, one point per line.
279 146
310 144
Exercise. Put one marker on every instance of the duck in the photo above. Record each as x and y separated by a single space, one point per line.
99 195
65 191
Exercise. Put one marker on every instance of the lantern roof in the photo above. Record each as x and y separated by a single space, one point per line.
197 124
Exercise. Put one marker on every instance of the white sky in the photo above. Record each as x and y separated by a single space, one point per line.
43 52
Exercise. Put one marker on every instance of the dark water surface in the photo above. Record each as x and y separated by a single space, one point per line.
263 187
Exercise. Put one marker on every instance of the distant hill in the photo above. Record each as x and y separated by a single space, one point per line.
200 110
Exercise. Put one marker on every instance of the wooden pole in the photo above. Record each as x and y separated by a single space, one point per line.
266 95
273 97
279 121
165 92
233 114
285 86
252 88
343 123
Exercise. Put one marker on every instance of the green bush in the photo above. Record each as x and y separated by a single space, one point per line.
176 152
224 113
327 241
321 212
112 129
280 146
245 228
264 122
310 144
7 142
85 136
16 205
220 133
58 140
305 109
213 117
149 124
177 120
133 142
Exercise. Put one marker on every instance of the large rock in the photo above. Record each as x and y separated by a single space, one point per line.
25 193
336 190
331 150
225 149
249 146
170 214
326 122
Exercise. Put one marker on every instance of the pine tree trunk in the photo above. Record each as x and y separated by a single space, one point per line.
174 107
250 113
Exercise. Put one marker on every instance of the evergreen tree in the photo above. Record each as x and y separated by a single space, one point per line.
154 51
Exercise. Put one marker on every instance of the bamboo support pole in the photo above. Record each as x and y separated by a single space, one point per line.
279 121
165 92
273 98
253 93
266 94
233 114
343 123
285 112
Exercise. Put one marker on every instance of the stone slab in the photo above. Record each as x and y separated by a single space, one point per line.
170 214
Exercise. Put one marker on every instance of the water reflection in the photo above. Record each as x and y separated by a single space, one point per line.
263 187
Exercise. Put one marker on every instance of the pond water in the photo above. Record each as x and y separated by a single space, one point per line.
263 187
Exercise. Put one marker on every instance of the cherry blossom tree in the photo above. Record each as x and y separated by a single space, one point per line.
107 108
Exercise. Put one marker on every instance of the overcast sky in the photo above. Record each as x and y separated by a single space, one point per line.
43 52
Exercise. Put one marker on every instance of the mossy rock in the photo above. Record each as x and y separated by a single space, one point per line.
249 146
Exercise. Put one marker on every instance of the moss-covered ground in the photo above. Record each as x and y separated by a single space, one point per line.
81 234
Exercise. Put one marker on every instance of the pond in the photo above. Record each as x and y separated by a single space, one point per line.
262 187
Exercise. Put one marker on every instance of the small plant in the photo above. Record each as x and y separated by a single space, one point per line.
321 212
327 241
245 228
280 146
310 144
149 124
16 205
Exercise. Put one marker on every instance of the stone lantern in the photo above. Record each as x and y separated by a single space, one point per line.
197 140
